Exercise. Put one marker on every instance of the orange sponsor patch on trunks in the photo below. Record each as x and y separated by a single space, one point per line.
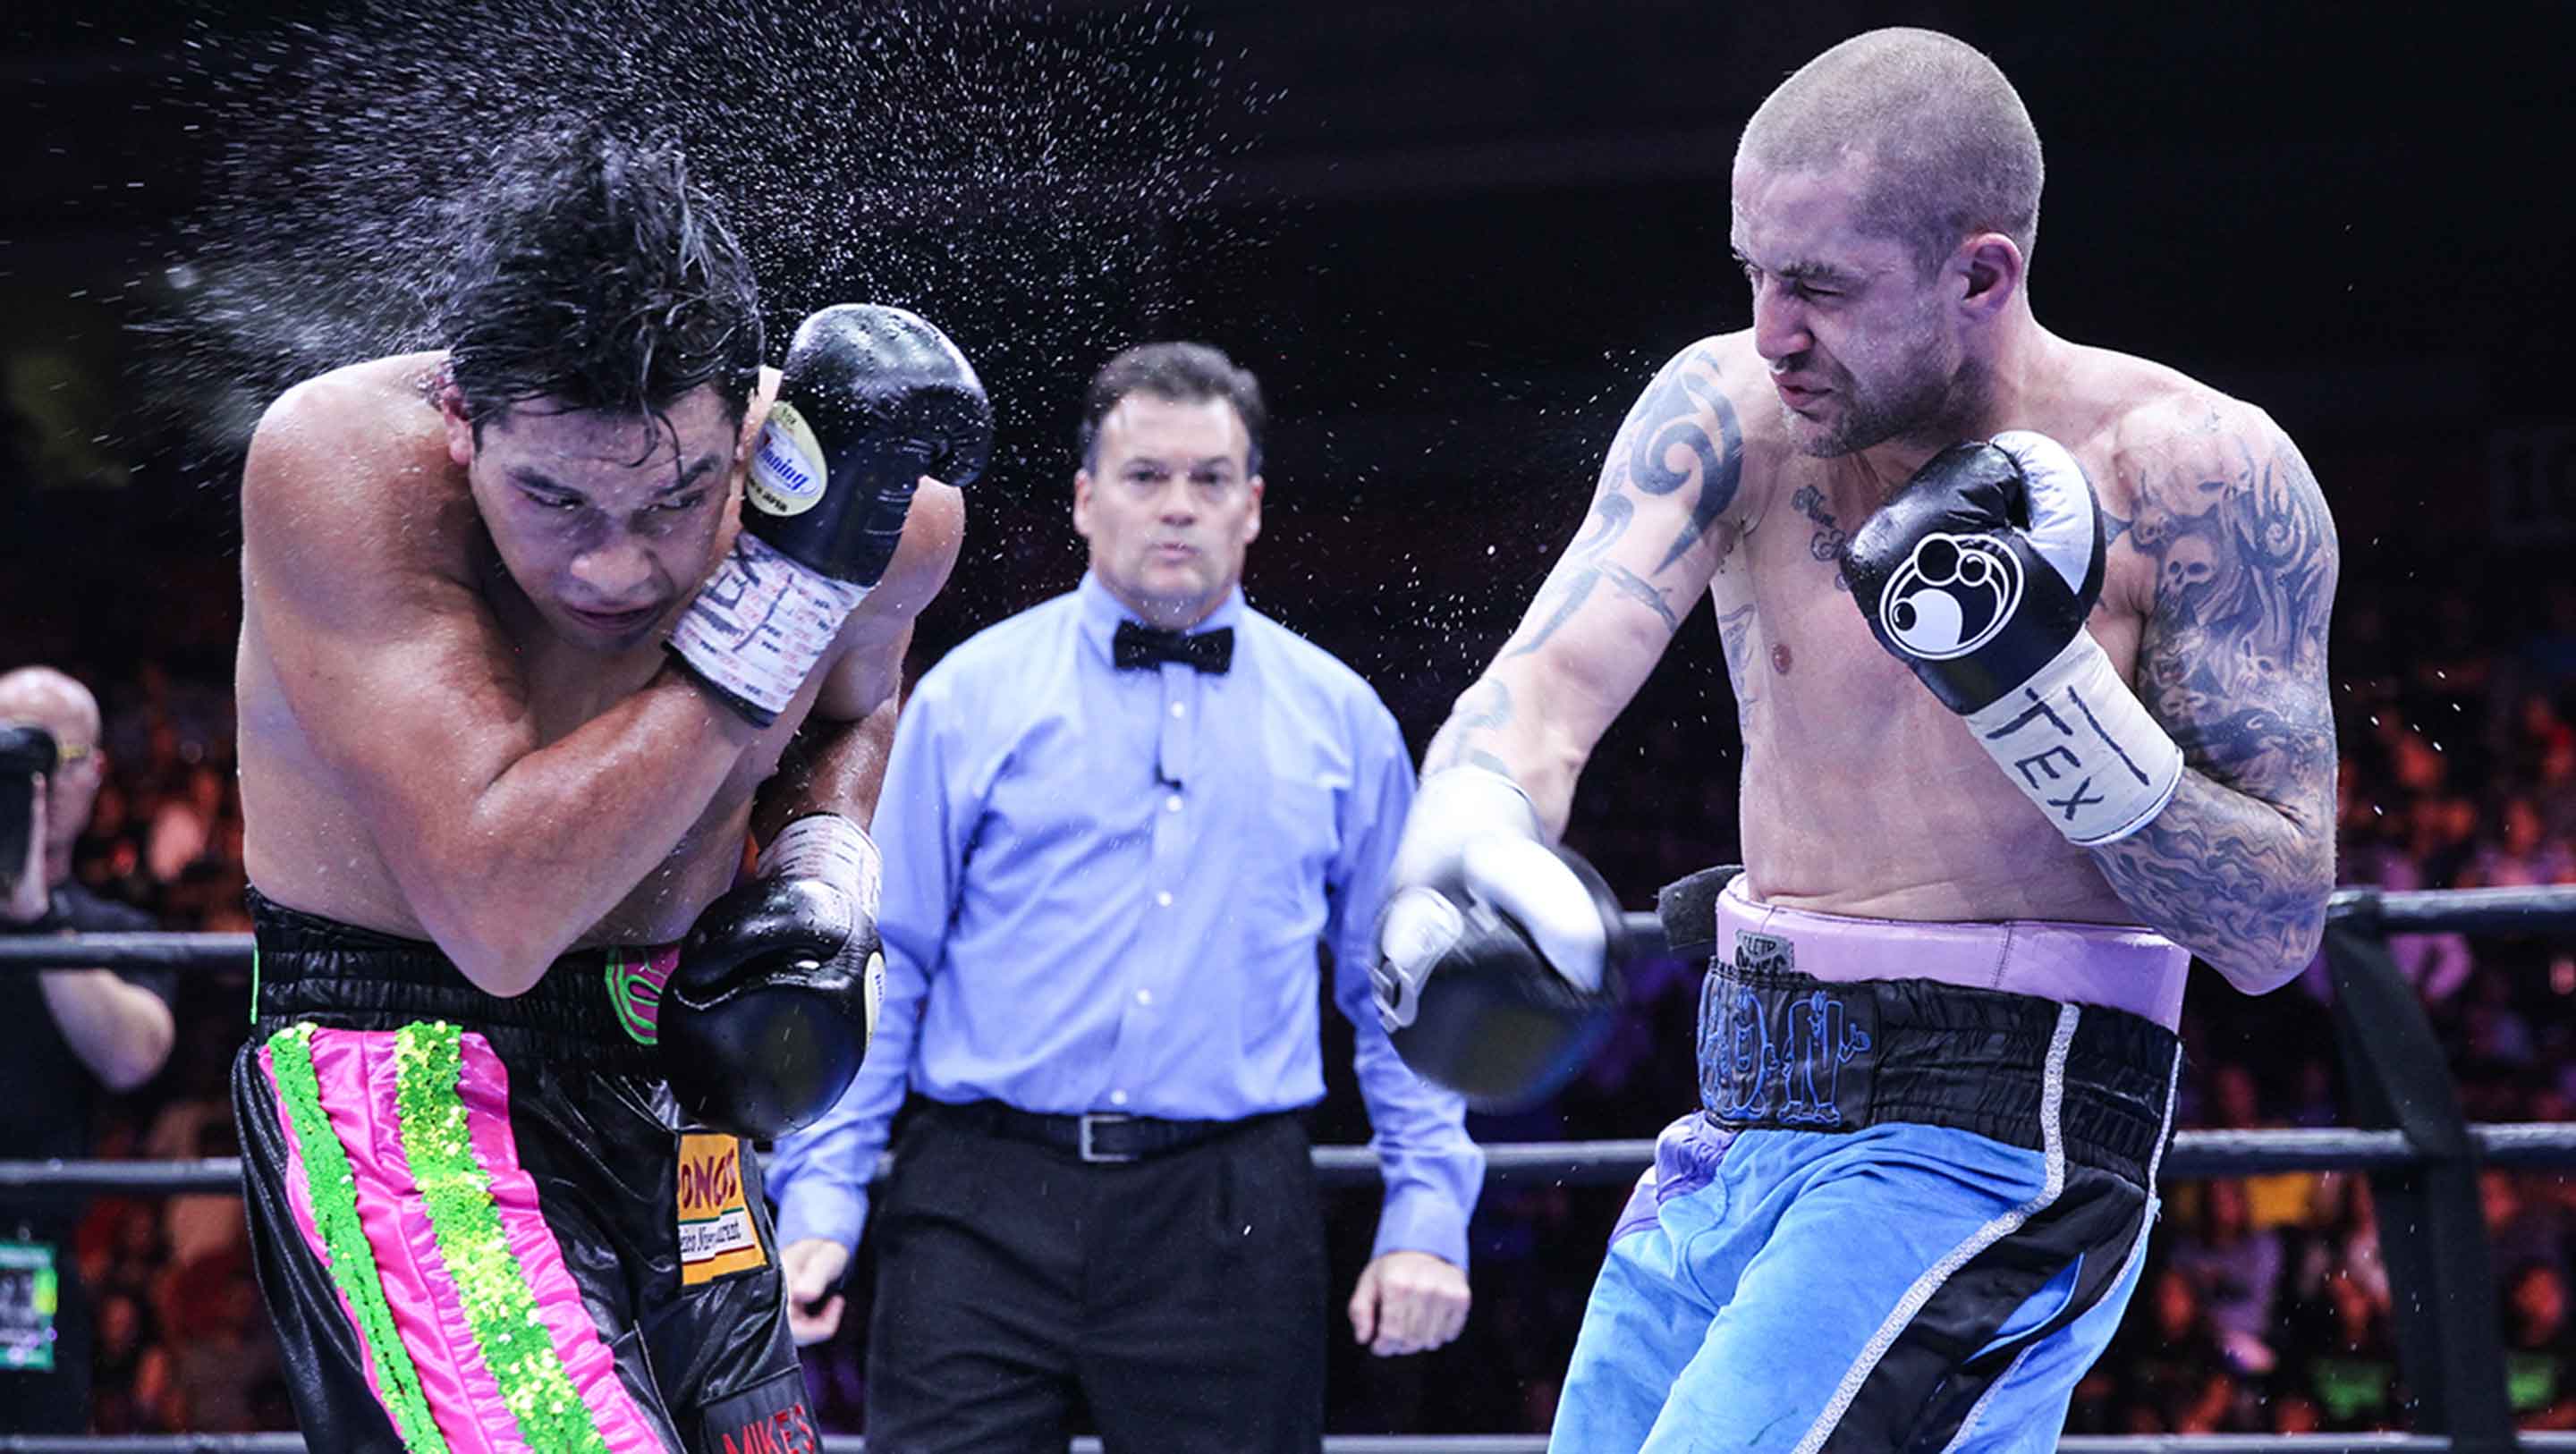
716 1231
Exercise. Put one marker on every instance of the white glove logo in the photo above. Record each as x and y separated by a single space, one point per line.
873 983
1952 595
787 474
1420 926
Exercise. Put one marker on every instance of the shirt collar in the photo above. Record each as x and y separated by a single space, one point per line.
1101 613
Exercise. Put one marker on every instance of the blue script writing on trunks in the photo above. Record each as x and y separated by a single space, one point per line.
1779 1054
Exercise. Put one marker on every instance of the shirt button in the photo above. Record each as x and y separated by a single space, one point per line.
1172 804
1164 898
1144 997
1117 1098
1179 711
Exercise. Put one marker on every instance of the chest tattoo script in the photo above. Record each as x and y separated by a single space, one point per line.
1827 543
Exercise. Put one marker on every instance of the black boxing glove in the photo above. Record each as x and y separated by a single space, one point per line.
1978 575
1499 956
871 399
768 1014
27 753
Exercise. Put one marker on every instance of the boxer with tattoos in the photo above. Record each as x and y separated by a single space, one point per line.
2028 643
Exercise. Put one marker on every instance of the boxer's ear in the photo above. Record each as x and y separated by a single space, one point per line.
460 428
1990 268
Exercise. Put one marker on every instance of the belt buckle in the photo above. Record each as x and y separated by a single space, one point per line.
1083 1136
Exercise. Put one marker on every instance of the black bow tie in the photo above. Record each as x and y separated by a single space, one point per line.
1142 646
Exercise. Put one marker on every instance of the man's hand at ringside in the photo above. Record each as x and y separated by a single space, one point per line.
811 1268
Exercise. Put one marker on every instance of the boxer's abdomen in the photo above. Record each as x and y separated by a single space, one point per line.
1861 793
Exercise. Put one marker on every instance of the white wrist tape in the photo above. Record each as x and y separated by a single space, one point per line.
1454 805
1527 881
2080 745
761 622
829 847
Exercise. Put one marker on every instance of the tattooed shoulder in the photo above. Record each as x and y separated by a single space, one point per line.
2233 658
1682 438
1669 479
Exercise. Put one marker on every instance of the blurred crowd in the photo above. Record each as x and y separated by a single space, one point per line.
2265 1305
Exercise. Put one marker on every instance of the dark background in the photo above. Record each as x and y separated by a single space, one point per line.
1454 239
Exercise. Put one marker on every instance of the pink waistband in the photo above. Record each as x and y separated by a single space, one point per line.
2135 970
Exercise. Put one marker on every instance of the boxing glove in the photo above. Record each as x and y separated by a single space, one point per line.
1499 956
1978 575
871 399
768 1014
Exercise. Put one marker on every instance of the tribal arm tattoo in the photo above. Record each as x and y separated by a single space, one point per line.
1680 445
1659 528
1571 584
2233 663
1485 708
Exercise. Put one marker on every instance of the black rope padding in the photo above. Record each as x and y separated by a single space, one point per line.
2195 1155
2515 910
124 951
1378 1444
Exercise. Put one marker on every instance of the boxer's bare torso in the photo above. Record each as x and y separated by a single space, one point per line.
387 501
1861 793
1738 474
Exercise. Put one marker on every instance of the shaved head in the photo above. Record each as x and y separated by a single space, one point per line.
1949 150
46 698
43 697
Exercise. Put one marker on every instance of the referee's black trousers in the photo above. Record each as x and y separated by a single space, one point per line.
1180 1296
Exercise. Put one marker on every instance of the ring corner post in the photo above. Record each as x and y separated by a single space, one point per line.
2432 1222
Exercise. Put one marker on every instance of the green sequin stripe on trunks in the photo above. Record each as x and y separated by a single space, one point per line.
332 1188
511 1335
491 1287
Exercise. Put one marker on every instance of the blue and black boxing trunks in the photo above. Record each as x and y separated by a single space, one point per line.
1914 1200
476 1222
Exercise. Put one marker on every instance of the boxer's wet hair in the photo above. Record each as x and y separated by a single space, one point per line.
1952 151
1184 373
594 272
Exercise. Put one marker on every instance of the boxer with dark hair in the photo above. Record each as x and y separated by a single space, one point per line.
2007 768
538 631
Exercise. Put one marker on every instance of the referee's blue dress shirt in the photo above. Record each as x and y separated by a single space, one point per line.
1104 890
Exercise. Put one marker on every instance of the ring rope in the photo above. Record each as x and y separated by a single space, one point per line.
2196 1155
1389 1444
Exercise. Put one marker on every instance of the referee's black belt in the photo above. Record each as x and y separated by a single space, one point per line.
1095 1136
